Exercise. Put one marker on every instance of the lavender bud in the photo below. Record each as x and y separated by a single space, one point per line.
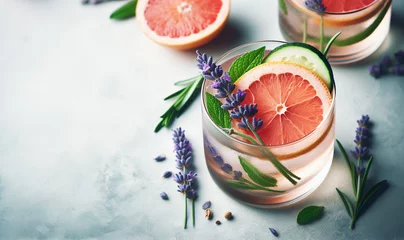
375 71
164 196
237 175
219 160
257 123
212 150
398 70
206 205
274 232
385 64
316 5
191 194
243 123
227 168
399 56
160 158
167 174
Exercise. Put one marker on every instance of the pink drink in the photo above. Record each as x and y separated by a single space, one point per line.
363 28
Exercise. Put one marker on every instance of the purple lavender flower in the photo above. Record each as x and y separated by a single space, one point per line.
375 71
218 159
237 175
190 177
209 69
227 168
361 150
183 149
234 100
179 178
385 64
316 5
399 55
183 188
398 70
223 86
248 110
191 194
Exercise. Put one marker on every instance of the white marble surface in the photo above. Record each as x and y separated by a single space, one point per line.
80 96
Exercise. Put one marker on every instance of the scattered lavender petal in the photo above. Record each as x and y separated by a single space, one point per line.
206 205
164 196
167 174
274 232
160 158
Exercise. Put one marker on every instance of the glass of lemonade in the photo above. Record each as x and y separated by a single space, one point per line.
308 157
364 24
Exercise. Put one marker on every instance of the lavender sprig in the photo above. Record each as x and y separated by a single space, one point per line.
185 178
318 6
388 66
233 102
359 173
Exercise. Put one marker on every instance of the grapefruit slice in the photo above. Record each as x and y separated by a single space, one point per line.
341 6
292 101
182 24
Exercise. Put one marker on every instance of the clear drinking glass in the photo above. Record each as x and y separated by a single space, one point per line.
310 157
362 30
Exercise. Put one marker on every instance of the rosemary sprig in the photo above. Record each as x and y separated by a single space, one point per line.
183 98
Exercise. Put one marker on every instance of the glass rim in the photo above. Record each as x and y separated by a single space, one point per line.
205 110
342 13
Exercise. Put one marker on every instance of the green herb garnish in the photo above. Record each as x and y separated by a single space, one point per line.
220 116
309 214
359 174
126 11
245 63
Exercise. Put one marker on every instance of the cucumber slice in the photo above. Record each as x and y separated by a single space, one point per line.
304 55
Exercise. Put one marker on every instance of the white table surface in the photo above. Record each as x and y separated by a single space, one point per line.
80 96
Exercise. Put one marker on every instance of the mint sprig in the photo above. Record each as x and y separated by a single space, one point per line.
128 10
256 175
246 62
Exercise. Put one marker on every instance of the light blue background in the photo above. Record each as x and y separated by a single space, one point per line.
80 96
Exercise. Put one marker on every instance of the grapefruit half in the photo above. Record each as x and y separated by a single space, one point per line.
292 101
182 24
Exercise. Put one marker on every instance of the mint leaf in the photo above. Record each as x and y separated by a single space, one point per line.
126 11
256 175
246 62
282 5
309 214
220 116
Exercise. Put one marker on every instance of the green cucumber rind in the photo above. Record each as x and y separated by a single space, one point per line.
312 49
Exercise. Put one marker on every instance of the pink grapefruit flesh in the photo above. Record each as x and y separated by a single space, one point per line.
341 6
292 101
182 24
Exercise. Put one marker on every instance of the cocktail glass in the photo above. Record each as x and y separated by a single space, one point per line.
309 157
362 30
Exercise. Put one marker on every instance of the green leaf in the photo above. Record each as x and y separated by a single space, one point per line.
282 5
190 91
126 11
309 214
220 116
241 185
350 165
347 203
174 94
365 175
246 62
371 193
256 175
188 81
330 42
